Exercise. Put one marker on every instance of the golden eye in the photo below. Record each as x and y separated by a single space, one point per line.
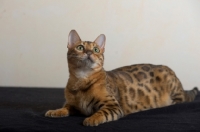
80 47
96 50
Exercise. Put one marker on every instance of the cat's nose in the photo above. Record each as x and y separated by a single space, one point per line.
89 52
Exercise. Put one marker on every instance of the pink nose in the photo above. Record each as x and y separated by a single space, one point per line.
89 52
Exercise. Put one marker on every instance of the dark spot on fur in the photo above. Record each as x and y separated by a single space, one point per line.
177 100
140 76
155 100
132 93
161 88
127 111
147 100
151 81
158 79
128 67
140 84
134 69
151 74
146 68
155 89
136 107
147 88
140 92
127 102
171 85
165 77
141 105
125 90
126 76
160 70
126 98
120 69
158 91
111 74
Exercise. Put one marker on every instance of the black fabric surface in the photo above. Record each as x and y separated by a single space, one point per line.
22 109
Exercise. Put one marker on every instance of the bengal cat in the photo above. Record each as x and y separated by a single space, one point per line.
109 95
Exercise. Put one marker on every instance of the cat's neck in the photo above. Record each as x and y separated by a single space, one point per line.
80 79
84 73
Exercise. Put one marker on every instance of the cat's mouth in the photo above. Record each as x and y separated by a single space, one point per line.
90 58
87 61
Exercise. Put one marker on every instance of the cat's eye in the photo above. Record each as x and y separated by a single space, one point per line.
96 50
80 47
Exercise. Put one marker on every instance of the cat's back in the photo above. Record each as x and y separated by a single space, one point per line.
139 75
141 71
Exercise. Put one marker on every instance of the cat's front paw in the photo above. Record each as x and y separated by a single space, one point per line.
62 112
93 121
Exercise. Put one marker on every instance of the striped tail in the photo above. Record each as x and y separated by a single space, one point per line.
191 94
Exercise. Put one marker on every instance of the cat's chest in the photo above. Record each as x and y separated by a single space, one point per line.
82 73
83 104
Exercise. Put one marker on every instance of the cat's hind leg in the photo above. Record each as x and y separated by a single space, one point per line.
191 94
181 96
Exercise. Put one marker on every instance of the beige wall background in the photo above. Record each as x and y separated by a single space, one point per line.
33 37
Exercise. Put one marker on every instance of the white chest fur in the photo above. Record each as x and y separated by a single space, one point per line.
83 73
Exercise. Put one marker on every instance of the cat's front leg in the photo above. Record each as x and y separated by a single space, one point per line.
108 112
62 112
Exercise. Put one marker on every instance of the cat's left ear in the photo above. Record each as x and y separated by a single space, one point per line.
101 40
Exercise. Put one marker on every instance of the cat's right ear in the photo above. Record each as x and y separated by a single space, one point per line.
101 40
73 38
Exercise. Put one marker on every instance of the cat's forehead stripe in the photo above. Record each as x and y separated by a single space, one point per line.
87 42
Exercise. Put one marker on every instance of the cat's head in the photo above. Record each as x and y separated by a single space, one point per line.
85 55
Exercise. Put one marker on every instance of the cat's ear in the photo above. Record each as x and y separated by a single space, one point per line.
101 40
73 38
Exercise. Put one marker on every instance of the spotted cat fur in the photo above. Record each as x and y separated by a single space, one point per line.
106 96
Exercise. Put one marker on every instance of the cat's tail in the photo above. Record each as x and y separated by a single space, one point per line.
191 94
